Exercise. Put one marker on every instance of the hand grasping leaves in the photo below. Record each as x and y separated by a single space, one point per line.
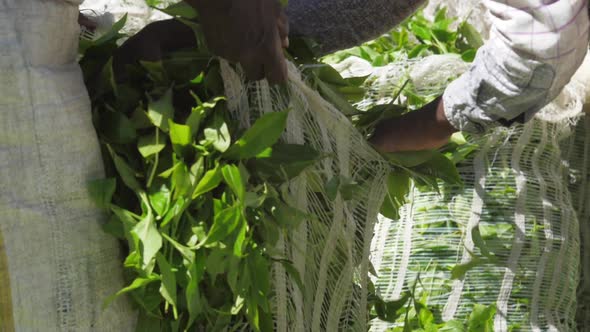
252 32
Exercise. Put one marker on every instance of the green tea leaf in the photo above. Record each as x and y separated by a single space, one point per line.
139 282
398 187
452 326
150 238
224 223
285 161
126 173
150 145
194 302
168 285
470 36
101 191
390 311
185 251
181 9
218 134
440 167
233 178
285 215
240 238
180 134
294 274
116 128
160 199
265 132
482 318
210 181
161 111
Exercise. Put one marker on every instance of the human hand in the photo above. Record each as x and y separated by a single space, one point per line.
425 129
252 32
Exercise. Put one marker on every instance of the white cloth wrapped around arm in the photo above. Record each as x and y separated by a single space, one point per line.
535 48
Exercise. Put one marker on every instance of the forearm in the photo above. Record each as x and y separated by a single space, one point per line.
339 24
424 129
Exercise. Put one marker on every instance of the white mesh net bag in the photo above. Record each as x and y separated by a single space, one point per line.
577 153
524 192
516 195
330 251
474 11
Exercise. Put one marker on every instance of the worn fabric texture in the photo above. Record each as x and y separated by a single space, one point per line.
57 266
337 25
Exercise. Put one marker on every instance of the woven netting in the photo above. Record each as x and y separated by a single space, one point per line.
426 77
474 11
525 190
516 194
331 249
577 153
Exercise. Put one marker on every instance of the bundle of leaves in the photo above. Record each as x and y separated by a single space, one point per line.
199 202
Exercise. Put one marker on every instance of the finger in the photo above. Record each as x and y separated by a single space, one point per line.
275 65
283 25
253 66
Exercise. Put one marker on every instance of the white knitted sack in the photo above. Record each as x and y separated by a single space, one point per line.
331 250
525 190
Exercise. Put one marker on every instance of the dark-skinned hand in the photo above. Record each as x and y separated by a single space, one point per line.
424 129
252 32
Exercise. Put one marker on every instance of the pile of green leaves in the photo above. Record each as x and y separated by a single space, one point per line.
199 202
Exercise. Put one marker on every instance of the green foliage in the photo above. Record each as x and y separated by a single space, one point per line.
416 37
200 204
184 190
411 313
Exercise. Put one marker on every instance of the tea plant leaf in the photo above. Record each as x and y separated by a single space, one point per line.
102 190
168 284
150 238
150 145
398 187
233 178
482 319
160 111
218 134
265 132
210 181
224 223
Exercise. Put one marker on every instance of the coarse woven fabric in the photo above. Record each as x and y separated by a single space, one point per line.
339 24
57 266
